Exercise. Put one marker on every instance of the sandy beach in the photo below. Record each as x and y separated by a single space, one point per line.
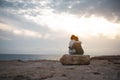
105 68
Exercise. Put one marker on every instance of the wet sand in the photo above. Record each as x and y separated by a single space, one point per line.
98 69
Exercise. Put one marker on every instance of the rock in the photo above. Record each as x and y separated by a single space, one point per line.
75 59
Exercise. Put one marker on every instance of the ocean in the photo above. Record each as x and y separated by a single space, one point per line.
33 56
29 57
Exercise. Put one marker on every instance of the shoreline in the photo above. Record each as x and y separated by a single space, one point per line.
102 57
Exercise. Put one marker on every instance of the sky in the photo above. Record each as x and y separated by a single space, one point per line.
45 26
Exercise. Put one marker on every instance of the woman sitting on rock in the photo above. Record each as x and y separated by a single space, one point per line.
75 47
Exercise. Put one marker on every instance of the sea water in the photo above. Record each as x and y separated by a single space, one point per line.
29 57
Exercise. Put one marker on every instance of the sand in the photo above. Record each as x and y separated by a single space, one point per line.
98 69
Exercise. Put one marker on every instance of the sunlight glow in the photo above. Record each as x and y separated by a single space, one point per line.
83 26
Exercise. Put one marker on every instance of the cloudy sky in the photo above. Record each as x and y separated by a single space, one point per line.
45 26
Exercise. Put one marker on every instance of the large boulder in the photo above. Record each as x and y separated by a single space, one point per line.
75 59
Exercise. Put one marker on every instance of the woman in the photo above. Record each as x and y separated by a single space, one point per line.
72 41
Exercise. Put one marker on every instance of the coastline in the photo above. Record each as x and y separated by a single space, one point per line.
100 68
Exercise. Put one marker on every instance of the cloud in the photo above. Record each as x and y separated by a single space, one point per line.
53 15
106 8
14 4
20 31
17 24
83 26
4 38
